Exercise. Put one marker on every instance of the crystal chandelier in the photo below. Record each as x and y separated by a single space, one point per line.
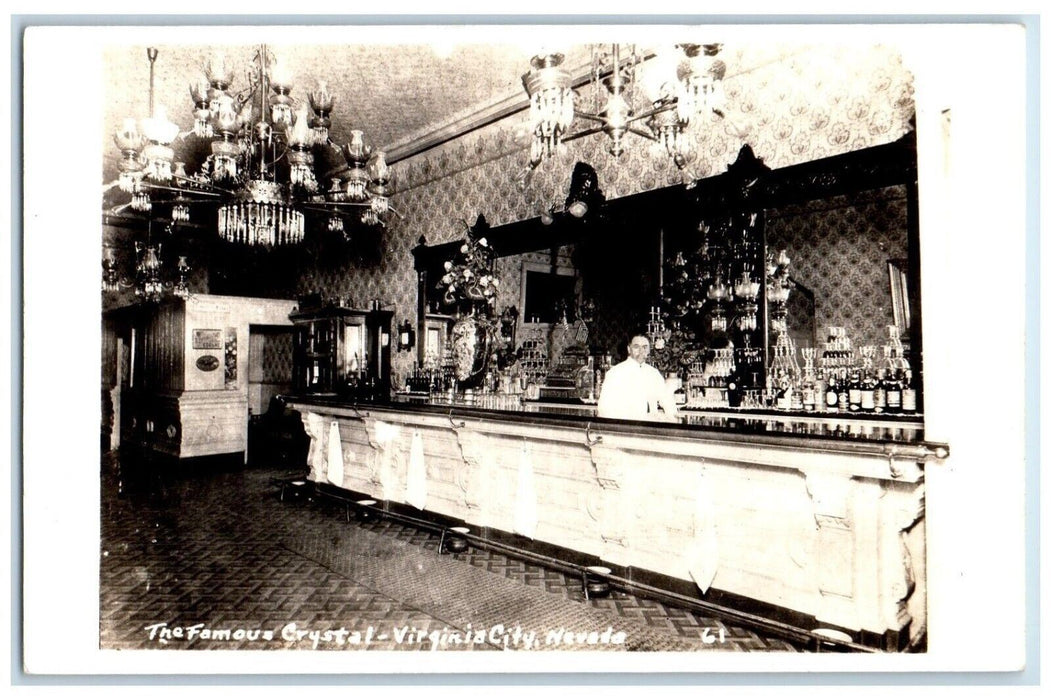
259 172
682 105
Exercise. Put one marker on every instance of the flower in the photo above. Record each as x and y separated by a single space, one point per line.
469 284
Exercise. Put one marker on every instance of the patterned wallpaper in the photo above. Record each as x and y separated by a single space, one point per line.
277 357
802 320
813 103
839 248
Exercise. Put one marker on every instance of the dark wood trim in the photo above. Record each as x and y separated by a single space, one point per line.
748 184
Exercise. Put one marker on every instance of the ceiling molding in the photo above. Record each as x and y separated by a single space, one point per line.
484 116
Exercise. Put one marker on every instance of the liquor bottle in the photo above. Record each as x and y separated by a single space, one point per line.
893 393
832 394
795 402
908 394
844 391
809 395
783 400
868 393
879 394
733 393
820 386
854 392
682 388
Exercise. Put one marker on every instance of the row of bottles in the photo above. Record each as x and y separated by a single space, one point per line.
842 379
433 380
845 391
843 384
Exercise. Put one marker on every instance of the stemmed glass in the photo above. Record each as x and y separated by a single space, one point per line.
868 353
809 354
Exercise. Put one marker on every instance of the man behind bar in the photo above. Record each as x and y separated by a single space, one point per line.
635 390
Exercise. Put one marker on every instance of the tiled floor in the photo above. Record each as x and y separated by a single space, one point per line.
220 556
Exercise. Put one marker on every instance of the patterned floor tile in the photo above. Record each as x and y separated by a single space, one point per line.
222 551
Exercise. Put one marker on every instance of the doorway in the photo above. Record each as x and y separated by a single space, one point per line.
275 435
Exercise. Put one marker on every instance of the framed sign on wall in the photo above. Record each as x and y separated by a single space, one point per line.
207 339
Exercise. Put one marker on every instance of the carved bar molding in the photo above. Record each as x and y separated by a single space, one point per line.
827 529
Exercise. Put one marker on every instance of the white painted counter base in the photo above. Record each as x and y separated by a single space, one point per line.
833 530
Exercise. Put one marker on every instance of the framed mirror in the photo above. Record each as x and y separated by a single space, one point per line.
547 292
839 221
838 249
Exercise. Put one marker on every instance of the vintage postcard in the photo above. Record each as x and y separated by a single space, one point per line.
566 343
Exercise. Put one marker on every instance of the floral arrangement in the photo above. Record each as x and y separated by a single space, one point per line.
469 282
681 349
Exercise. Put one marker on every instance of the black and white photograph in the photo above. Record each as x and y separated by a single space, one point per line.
582 340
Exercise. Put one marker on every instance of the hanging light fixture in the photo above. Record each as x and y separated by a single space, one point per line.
260 169
182 288
700 82
746 291
148 284
554 106
146 273
550 104
111 279
356 153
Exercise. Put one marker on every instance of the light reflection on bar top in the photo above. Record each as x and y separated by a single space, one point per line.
823 425
840 426
846 426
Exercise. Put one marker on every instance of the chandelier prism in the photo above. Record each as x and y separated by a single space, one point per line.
261 146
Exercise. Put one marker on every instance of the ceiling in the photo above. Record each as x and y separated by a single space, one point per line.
409 97
396 93
393 93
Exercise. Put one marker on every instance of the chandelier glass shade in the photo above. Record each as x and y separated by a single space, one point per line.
259 163
148 284
693 92
700 82
550 104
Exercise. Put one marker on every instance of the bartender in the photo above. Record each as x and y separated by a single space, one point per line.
635 390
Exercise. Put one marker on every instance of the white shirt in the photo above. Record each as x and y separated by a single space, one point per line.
633 391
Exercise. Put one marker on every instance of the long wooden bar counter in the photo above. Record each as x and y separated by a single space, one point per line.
828 528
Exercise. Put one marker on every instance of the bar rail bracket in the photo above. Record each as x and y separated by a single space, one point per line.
588 440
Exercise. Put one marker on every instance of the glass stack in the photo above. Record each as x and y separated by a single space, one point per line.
533 358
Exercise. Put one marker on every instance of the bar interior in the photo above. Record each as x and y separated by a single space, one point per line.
418 314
